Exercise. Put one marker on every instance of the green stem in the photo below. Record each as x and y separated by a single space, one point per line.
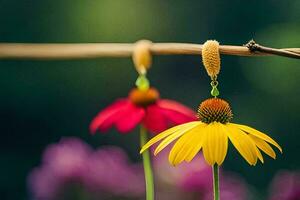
216 182
147 166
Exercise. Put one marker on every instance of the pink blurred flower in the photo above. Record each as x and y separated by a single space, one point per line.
142 107
72 164
193 181
285 186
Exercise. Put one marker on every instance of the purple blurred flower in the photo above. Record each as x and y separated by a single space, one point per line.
71 169
194 180
285 186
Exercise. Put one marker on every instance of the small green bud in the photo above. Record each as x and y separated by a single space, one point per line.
142 83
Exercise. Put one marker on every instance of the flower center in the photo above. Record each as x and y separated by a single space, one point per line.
143 97
214 110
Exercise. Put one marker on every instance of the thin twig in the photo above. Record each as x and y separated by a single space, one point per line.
254 47
95 50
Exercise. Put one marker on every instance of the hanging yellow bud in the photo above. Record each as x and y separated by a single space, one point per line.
141 56
211 57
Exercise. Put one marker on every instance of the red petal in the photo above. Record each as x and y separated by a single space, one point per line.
129 118
176 113
107 117
155 120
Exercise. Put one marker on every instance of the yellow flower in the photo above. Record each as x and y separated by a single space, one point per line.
211 134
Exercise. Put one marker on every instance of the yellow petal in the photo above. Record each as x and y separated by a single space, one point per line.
186 148
259 134
258 153
198 144
205 150
265 147
242 143
167 133
174 136
178 147
222 143
215 144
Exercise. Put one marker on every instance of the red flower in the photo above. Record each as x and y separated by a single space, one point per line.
142 107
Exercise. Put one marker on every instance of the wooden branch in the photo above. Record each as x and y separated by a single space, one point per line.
95 50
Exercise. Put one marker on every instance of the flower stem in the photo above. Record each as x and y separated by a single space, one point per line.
216 182
147 166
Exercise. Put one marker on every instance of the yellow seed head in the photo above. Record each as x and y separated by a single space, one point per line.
211 57
141 56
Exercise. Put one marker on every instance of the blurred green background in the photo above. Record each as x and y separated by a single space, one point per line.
42 101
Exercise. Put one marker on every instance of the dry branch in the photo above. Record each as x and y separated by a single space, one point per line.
95 50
